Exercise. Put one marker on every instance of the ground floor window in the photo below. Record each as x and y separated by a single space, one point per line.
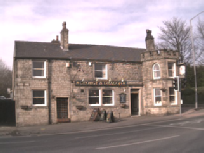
172 97
39 97
157 97
101 97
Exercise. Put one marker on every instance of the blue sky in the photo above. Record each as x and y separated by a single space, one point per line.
106 22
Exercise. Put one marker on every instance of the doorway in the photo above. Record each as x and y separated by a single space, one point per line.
62 110
134 103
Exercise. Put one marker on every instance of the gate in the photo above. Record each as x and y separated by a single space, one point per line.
7 112
62 110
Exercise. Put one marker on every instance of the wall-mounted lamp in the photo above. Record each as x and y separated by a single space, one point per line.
68 64
82 80
90 63
122 79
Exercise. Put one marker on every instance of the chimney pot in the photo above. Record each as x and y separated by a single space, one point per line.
56 37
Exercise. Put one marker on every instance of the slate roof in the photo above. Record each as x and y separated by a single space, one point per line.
47 50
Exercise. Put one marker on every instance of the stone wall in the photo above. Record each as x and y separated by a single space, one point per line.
164 83
116 72
63 85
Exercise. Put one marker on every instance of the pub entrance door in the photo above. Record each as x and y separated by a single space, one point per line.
134 102
62 110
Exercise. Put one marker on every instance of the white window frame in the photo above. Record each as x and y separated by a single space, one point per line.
174 70
37 68
96 96
106 69
160 103
175 98
113 103
156 71
101 98
45 98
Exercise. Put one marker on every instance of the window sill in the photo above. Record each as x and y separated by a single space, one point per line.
101 78
39 105
39 77
173 104
156 78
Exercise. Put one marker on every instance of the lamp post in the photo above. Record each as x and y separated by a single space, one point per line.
193 52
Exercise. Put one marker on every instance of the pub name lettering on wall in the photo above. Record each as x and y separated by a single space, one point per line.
100 83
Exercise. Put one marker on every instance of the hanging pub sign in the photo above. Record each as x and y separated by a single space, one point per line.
122 98
100 83
182 71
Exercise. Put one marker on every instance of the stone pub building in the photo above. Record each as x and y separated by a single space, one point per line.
60 82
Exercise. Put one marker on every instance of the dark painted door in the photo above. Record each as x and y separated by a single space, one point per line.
7 112
134 104
62 110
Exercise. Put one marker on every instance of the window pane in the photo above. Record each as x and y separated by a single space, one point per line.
99 66
93 93
157 92
38 64
170 73
171 98
171 91
156 67
157 98
107 100
93 100
170 65
107 92
98 74
38 72
38 93
38 100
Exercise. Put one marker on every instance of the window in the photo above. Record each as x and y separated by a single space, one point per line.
107 97
39 69
100 71
171 69
172 97
94 99
101 97
39 97
156 71
157 97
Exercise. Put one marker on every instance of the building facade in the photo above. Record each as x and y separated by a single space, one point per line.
60 82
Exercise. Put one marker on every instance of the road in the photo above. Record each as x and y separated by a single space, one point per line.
170 136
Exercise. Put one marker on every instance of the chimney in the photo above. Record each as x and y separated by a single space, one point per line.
55 41
64 37
150 46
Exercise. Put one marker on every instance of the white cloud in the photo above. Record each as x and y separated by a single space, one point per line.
115 22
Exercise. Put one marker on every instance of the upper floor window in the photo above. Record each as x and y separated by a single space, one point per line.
156 71
39 69
39 97
101 97
157 97
100 70
171 69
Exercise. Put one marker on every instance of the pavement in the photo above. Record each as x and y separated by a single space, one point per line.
89 126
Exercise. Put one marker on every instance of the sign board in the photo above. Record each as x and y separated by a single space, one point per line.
100 83
122 98
182 71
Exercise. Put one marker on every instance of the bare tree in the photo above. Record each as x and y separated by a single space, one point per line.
5 79
175 34
200 41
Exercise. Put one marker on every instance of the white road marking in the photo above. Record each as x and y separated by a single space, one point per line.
181 127
197 121
16 142
91 136
102 129
136 143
